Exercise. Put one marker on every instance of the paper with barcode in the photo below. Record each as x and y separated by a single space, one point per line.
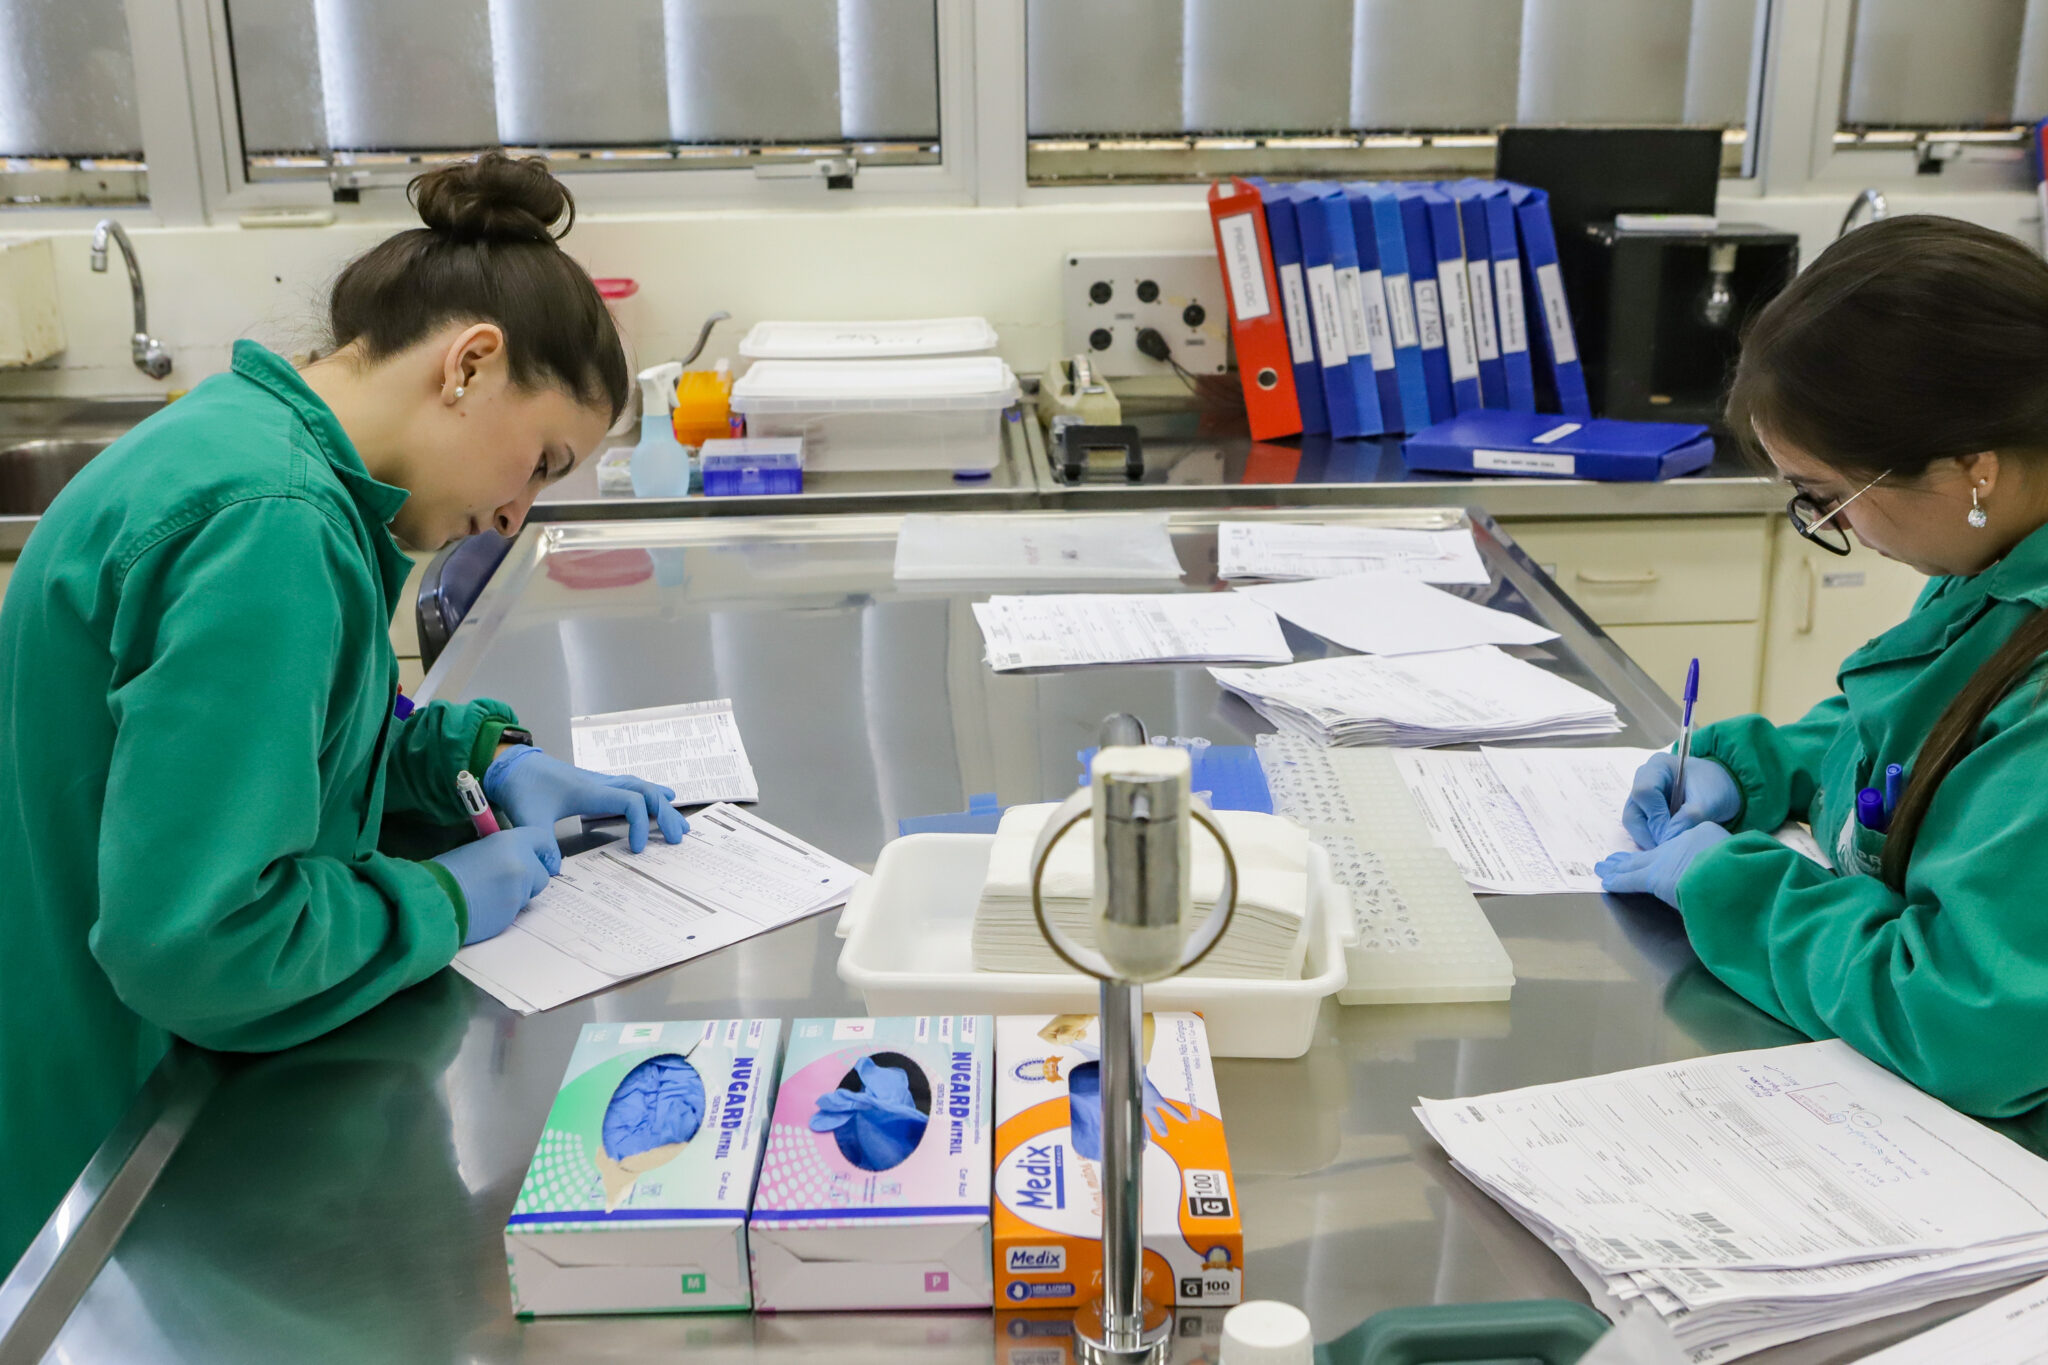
1067 629
693 749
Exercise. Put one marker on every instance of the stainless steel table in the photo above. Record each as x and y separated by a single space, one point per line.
343 1201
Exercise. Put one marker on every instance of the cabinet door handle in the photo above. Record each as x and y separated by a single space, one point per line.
1618 580
1807 585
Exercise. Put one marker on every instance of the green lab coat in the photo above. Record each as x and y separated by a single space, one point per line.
197 757
1945 983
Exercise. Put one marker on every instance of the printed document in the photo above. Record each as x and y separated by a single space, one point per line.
1284 550
2008 1331
693 749
613 915
1013 545
1382 613
1067 629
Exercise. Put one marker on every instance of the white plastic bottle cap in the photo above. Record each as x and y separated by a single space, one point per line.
1266 1332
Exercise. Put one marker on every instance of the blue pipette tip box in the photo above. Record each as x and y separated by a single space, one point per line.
753 466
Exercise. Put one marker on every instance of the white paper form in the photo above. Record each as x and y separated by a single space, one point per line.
1796 1156
1573 800
1475 818
694 749
1382 613
612 915
1288 550
1012 546
1067 629
2008 1331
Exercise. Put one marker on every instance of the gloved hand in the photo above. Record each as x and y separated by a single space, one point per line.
1084 1109
877 1126
1710 795
536 789
499 874
659 1104
1657 870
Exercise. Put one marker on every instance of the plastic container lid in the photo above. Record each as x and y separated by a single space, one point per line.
868 340
1266 1332
961 382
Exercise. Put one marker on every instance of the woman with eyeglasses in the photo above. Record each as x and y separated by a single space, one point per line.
1900 385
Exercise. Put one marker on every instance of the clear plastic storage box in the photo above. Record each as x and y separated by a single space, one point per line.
882 414
868 340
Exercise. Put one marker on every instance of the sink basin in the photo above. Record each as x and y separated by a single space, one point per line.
33 472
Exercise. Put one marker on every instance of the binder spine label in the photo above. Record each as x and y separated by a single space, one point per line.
1294 303
1429 319
1457 321
1323 305
1523 462
1242 265
1401 311
1372 291
1482 310
1507 288
1563 349
1352 314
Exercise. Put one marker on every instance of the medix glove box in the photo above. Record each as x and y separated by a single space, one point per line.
1048 1178
636 1201
874 1192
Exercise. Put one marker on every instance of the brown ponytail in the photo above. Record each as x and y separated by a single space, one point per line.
1955 734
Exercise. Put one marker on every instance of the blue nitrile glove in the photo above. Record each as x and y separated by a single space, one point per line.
499 874
1084 1109
876 1126
1711 796
660 1103
536 789
1657 870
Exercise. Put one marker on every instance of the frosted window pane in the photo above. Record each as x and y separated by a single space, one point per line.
406 75
1719 61
277 76
1604 61
2030 96
67 80
1274 64
753 70
1434 63
889 69
1102 66
583 74
1952 64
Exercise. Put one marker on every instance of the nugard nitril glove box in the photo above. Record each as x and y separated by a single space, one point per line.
637 1198
1048 1177
874 1192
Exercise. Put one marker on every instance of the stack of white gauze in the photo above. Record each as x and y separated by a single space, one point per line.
1265 940
1459 696
1756 1198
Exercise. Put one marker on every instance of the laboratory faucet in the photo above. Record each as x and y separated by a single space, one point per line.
1873 197
148 353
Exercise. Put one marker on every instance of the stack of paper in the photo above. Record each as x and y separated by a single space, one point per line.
1525 821
1381 613
2012 1330
1283 550
693 749
1264 941
612 915
1462 696
1756 1198
1061 630
1012 545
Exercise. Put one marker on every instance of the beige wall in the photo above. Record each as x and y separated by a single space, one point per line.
209 286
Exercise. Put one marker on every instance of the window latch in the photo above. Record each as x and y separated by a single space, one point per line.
836 171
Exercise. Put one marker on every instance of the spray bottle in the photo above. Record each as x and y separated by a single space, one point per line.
660 463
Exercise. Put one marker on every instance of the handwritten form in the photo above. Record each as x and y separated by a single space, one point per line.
1381 613
1286 550
694 749
1011 546
1067 629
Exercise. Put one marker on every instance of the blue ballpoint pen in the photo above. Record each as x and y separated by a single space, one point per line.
1894 788
1692 694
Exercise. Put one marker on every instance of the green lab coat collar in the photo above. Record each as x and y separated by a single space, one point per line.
1956 602
378 502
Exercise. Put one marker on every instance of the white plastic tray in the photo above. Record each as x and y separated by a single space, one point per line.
909 931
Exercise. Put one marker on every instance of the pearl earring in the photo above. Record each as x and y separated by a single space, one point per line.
459 390
1979 518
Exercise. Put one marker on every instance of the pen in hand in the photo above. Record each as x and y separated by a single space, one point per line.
1692 694
474 805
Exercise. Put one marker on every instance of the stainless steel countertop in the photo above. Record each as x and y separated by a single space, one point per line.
343 1201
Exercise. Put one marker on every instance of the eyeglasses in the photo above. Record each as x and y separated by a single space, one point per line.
1810 517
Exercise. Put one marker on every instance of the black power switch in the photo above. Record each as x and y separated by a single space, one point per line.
1100 338
1100 291
1148 292
1194 315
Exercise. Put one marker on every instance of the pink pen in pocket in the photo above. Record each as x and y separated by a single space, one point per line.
478 809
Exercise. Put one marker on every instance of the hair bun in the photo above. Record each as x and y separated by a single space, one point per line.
493 198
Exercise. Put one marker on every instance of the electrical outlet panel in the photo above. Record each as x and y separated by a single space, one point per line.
1110 296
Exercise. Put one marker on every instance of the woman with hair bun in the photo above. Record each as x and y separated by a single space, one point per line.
200 751
1900 386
